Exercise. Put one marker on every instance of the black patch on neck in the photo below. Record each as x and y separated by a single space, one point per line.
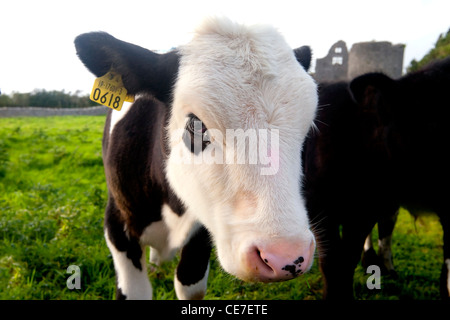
174 202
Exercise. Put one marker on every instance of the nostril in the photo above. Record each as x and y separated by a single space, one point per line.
264 260
259 254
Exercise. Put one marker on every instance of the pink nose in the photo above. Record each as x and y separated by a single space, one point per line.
280 262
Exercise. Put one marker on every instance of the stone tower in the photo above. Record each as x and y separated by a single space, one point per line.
334 66
376 57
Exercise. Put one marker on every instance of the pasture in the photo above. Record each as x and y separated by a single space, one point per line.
52 200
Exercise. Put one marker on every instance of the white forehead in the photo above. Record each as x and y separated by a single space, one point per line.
235 76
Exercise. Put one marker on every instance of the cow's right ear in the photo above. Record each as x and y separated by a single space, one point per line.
142 70
368 89
303 56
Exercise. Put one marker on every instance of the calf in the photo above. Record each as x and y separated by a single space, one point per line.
175 182
380 144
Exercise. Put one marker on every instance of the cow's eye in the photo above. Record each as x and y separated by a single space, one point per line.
195 125
196 135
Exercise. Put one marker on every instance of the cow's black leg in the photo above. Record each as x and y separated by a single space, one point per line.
129 258
192 272
353 236
339 258
338 284
383 259
369 257
386 225
445 274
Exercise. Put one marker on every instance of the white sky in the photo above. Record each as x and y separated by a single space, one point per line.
36 37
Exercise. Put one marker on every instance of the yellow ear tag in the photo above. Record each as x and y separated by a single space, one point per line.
109 91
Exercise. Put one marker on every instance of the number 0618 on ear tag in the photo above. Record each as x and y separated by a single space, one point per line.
109 91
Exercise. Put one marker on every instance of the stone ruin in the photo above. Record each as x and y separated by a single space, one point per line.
341 65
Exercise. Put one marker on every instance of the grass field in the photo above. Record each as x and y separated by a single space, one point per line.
52 199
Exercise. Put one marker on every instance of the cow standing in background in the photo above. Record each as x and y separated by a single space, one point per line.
380 144
164 183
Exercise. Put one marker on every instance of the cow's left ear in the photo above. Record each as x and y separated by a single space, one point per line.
369 88
303 56
142 70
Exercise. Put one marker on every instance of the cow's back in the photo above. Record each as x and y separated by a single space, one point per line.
419 137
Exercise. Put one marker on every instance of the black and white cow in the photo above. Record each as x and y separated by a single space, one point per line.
381 144
162 156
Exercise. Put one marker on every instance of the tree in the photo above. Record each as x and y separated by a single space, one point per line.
5 100
48 99
441 50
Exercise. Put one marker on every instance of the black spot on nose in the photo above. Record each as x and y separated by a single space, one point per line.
292 269
299 260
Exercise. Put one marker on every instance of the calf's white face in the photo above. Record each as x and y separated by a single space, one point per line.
242 106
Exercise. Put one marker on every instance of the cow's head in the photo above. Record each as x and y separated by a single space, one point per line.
373 92
240 107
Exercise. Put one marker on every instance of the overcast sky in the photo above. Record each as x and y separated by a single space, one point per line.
36 37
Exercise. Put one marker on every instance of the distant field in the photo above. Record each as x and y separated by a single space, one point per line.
52 199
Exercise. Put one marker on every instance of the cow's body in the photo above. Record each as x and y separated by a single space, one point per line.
380 144
345 184
163 187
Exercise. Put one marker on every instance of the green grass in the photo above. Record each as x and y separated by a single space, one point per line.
418 255
52 199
